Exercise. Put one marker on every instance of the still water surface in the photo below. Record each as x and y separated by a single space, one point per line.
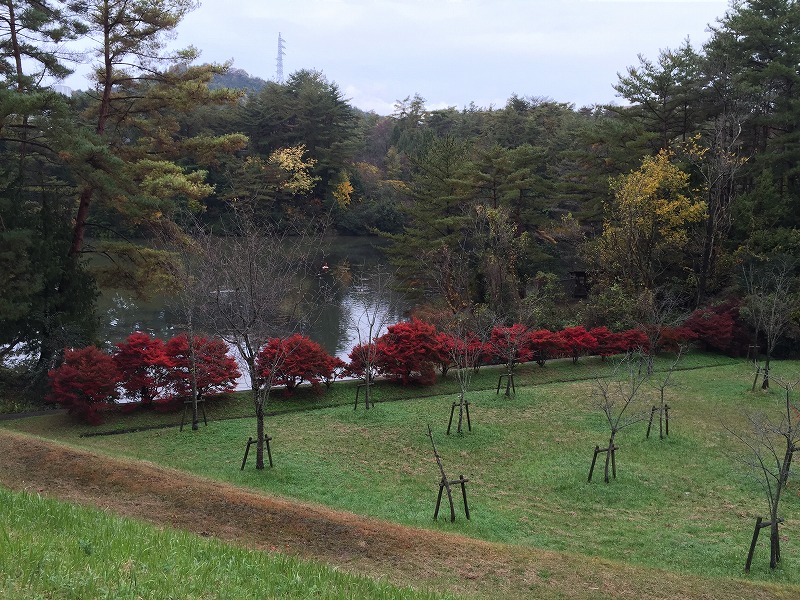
335 327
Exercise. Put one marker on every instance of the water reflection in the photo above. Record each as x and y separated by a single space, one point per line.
354 290
362 302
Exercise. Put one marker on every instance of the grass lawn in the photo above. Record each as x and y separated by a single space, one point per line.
684 504
51 549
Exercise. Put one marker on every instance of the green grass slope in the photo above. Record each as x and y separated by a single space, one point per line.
686 503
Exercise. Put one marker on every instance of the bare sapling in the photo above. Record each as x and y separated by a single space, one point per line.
619 398
255 291
773 439
661 386
375 299
446 484
468 332
769 305
186 293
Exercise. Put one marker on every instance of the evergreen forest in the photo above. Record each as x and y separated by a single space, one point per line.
684 197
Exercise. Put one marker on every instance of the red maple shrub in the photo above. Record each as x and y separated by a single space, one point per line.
510 345
577 342
670 339
84 383
634 340
216 371
145 367
292 360
544 345
335 368
446 344
608 342
409 351
360 356
715 326
466 350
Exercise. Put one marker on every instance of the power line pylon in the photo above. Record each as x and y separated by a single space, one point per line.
279 74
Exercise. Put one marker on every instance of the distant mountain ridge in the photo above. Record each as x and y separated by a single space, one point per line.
237 79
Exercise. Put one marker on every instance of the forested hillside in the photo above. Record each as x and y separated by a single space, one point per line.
684 195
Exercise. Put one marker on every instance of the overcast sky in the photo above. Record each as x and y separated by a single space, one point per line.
451 52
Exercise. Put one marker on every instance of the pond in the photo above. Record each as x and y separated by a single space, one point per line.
349 282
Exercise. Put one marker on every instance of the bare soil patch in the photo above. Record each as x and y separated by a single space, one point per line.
403 555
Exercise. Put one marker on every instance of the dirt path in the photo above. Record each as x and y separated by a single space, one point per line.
404 555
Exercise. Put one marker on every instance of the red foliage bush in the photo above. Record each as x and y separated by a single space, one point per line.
510 344
336 368
715 326
544 345
145 367
670 339
446 344
634 340
467 350
360 356
608 342
85 381
409 351
577 342
290 361
216 370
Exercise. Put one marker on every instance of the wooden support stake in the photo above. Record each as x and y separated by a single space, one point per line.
445 484
753 545
650 422
460 416
752 352
450 499
364 384
186 404
464 494
611 450
510 388
594 460
438 502
613 454
755 380
663 421
760 524
250 442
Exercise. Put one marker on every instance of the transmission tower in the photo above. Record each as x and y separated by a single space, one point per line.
280 59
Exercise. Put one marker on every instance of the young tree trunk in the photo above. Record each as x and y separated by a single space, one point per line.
258 402
368 380
259 433
611 457
460 411
765 380
193 379
774 530
774 545
706 260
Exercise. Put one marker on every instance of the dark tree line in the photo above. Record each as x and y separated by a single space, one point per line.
517 195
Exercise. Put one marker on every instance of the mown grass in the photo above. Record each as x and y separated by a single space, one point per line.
50 549
684 503
342 393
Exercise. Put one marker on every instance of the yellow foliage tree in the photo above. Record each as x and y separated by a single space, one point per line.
343 191
648 222
293 170
275 187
